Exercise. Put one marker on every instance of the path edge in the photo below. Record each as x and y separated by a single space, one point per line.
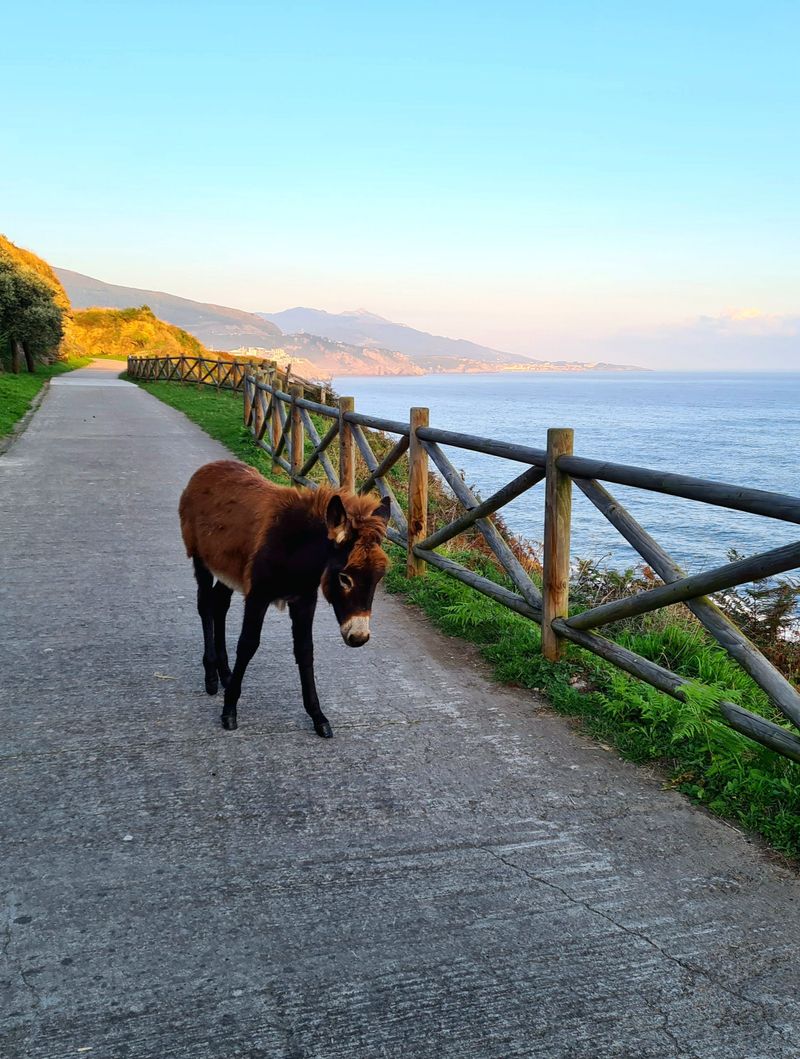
23 422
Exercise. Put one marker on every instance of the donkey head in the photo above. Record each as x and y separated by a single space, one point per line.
357 562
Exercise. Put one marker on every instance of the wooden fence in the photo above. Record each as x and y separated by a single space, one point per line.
223 374
280 421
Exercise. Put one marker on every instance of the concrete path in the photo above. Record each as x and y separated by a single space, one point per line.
455 874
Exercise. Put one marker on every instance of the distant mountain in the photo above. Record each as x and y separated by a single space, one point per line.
353 343
430 352
328 358
217 326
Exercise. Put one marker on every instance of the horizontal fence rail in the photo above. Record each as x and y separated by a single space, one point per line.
278 413
212 371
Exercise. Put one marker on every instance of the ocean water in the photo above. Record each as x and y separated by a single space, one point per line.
738 428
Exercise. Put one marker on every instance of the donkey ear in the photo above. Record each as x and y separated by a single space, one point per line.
383 510
336 519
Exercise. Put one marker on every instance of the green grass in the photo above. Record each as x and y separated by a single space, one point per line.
18 391
697 753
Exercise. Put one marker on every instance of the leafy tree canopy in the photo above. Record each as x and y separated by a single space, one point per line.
29 311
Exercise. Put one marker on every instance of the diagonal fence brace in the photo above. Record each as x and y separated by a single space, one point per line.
493 538
727 635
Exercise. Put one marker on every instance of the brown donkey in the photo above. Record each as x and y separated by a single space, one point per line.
278 544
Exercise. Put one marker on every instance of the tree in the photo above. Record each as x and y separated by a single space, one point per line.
31 321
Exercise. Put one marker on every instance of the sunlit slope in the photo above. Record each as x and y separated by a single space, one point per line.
217 326
120 333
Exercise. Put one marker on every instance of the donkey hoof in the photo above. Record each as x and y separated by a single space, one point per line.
323 729
212 685
229 722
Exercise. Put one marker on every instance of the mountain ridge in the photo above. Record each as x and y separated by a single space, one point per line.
358 342
217 326
361 327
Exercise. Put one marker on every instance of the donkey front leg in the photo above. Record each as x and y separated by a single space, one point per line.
250 637
302 613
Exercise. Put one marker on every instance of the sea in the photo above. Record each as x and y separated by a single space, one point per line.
740 428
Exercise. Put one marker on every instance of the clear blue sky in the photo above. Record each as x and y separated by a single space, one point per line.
571 178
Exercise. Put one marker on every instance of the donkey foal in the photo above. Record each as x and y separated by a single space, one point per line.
276 544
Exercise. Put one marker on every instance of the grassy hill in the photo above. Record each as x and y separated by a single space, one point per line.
217 326
101 332
120 333
38 265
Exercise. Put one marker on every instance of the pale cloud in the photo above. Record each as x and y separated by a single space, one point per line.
741 340
750 322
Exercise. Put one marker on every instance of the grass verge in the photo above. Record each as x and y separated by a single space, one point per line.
18 391
697 753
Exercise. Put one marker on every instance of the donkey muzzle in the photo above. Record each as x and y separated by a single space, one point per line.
355 631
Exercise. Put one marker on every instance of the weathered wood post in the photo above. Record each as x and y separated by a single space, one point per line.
347 453
275 426
258 407
298 445
557 519
417 492
247 402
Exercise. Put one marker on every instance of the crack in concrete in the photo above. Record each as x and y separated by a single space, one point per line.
680 1046
8 938
7 941
690 968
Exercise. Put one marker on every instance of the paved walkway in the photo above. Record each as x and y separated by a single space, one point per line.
455 874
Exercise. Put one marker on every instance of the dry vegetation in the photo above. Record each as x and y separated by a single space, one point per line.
120 333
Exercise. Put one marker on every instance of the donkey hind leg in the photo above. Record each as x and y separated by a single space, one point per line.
302 614
250 637
205 608
221 602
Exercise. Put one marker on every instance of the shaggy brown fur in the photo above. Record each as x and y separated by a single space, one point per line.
228 508
274 544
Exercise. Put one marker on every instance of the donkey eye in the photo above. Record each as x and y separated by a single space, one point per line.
346 581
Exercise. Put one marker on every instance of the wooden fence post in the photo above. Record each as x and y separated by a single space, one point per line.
557 519
417 492
247 402
298 445
347 453
258 411
272 377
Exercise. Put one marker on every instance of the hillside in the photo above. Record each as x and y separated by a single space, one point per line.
120 333
106 332
217 326
355 343
39 266
231 330
324 358
60 343
433 353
